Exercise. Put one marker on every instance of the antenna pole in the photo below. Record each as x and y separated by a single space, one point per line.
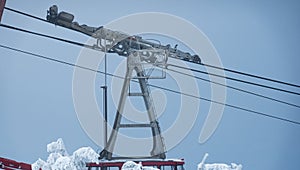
105 98
104 114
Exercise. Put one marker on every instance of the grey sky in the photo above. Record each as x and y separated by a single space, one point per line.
259 37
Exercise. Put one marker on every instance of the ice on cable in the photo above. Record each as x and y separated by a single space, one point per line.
59 159
217 166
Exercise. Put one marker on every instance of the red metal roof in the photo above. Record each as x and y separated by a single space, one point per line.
9 164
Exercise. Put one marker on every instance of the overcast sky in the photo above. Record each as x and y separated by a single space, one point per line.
257 37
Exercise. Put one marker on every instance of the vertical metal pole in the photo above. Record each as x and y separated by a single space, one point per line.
2 5
105 98
104 115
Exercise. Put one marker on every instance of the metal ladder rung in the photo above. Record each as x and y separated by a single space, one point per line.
135 94
134 125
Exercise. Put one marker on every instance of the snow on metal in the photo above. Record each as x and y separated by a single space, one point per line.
59 159
217 166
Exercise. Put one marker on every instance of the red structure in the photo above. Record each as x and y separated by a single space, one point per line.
2 5
9 164
117 165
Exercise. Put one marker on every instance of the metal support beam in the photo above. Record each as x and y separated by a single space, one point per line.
104 114
134 125
158 150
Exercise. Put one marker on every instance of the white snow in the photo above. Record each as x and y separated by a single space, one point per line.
217 166
130 165
63 162
40 164
220 166
59 159
57 147
83 155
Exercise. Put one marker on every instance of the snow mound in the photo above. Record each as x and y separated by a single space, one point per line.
217 166
40 164
57 147
59 159
83 155
130 165
63 162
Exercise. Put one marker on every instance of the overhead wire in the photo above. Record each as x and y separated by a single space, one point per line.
194 70
250 75
95 48
235 79
235 88
151 85
204 64
25 14
48 36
